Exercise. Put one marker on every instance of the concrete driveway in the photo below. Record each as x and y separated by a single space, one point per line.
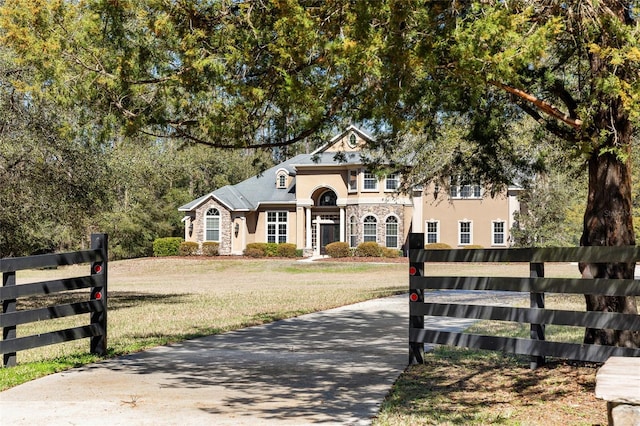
330 367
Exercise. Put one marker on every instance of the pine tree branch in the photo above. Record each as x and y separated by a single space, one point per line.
543 106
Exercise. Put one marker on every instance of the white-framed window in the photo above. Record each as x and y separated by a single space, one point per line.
370 229
277 226
392 182
498 233
353 180
282 180
433 232
353 140
391 232
472 191
212 225
370 181
353 231
465 232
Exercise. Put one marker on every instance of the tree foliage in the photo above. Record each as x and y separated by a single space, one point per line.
270 73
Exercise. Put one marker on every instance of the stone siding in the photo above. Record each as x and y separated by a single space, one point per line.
225 225
381 212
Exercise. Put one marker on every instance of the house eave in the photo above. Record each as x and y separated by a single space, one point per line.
204 200
275 204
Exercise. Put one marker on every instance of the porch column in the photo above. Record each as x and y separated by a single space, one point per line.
318 236
342 224
308 227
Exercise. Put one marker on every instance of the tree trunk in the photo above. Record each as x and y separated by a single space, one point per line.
608 222
608 218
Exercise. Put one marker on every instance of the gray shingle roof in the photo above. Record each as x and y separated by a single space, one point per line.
261 189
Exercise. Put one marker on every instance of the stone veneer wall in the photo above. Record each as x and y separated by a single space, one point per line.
381 212
225 226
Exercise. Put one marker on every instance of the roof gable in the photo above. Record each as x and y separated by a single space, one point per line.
249 194
351 140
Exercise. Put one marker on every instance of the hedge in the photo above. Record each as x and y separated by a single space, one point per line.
256 250
437 246
369 249
188 248
169 246
338 249
271 250
287 250
210 248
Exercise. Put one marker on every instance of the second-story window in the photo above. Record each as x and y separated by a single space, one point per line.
392 182
370 181
467 191
353 180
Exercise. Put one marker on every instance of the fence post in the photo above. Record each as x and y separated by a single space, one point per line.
416 269
536 270
99 293
9 306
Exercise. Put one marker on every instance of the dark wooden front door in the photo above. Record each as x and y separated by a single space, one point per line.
329 233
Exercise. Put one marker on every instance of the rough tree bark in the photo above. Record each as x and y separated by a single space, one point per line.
608 222
608 217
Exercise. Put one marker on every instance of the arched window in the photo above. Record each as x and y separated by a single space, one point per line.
212 225
370 229
282 178
391 230
328 198
353 231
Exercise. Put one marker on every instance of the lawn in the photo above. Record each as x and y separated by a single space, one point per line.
156 301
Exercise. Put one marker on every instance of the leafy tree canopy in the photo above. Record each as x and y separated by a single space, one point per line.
269 73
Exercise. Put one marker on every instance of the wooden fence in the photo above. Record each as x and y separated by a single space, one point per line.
536 285
96 305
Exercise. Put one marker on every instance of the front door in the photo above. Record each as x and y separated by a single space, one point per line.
329 233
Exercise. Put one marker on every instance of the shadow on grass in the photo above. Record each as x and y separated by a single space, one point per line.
117 299
462 386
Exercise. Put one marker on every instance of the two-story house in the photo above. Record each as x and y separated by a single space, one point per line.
314 199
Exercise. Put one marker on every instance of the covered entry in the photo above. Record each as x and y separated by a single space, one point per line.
327 224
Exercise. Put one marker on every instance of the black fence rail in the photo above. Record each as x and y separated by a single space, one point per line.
95 306
536 315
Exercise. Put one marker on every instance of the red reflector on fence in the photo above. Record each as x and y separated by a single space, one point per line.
413 297
99 295
412 270
97 269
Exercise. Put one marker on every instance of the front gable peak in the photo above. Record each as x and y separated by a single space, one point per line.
351 140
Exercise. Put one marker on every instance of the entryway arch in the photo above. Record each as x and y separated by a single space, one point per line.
327 219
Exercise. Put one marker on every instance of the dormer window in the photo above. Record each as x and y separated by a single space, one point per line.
281 179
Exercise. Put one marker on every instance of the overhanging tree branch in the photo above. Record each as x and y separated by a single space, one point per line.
543 106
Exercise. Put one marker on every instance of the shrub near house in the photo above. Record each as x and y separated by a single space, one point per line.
169 246
271 250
